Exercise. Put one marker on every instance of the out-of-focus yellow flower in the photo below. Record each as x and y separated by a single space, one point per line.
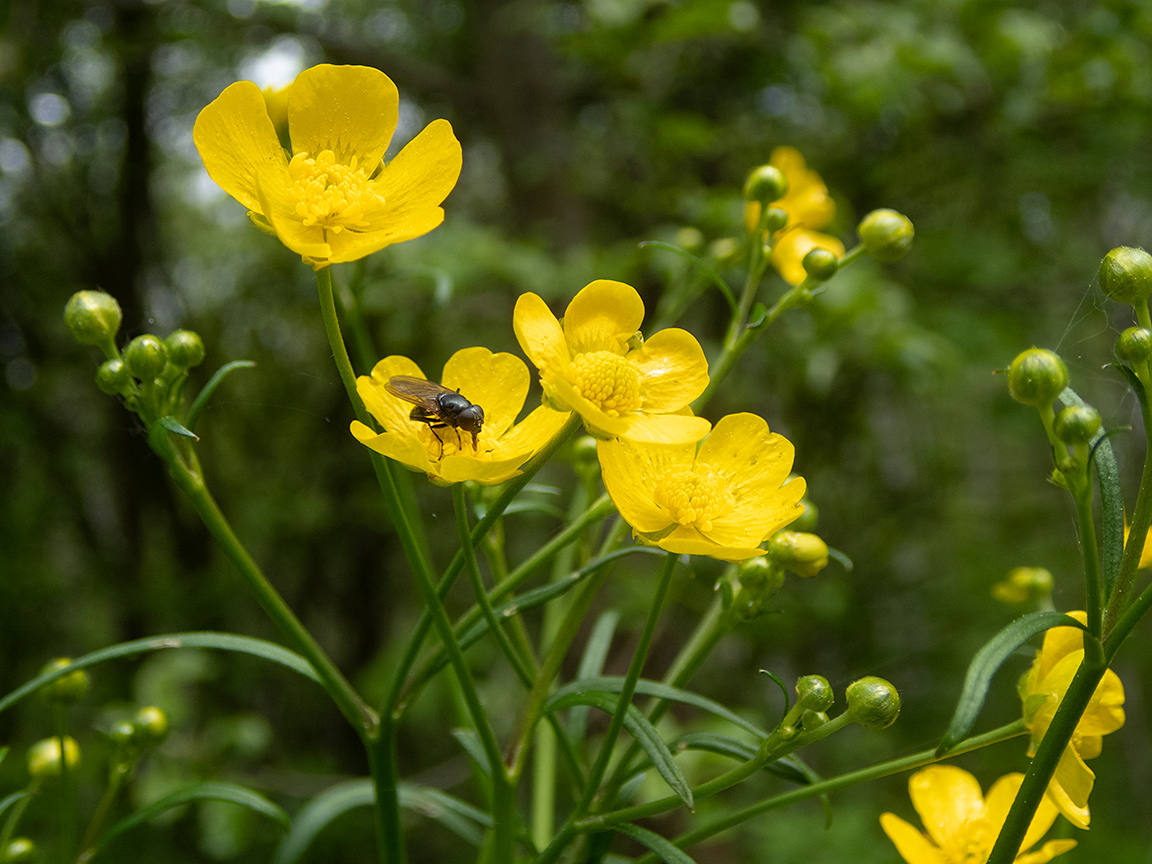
723 500
1145 553
598 365
1024 584
809 208
961 824
498 383
335 200
1041 690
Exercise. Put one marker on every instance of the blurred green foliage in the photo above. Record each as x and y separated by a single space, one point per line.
1016 138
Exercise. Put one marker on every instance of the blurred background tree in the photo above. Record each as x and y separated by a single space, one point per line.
1015 138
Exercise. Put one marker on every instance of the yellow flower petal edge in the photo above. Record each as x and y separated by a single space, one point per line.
335 199
498 383
722 500
598 365
961 824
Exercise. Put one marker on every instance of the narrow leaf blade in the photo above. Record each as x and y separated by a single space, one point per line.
654 842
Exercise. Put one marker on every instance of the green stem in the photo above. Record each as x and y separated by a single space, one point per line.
1048 754
117 776
66 799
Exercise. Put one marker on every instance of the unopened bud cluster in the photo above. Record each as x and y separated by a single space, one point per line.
150 373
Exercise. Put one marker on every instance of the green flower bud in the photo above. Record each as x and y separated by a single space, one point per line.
764 184
807 520
122 732
820 264
112 376
886 235
1134 345
44 757
92 317
758 580
150 726
689 238
18 851
803 554
185 349
584 450
146 357
1126 275
1036 377
723 249
872 702
775 219
1023 584
813 720
68 689
1076 424
635 341
814 693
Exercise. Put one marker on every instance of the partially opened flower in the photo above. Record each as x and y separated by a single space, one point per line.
598 365
498 383
809 208
1041 690
961 824
335 200
723 500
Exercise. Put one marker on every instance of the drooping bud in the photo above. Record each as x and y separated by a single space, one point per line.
1036 377
1077 424
44 757
803 554
185 349
1126 275
93 317
150 726
814 693
1023 584
820 264
112 376
67 689
146 357
872 702
886 235
1134 345
765 184
775 219
758 580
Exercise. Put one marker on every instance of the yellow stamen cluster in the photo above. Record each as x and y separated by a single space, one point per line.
608 381
329 194
695 497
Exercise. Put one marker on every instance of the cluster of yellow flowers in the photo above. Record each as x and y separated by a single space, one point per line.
334 199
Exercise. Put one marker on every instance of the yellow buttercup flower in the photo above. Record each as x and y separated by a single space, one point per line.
596 365
809 207
498 383
1041 690
335 200
723 500
961 824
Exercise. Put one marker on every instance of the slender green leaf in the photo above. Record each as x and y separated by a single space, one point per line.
644 687
204 395
469 739
712 275
176 427
11 800
1111 495
457 816
987 663
591 662
783 689
664 848
217 641
639 728
3 753
228 792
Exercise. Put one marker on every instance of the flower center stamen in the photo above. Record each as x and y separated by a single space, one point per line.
608 381
329 194
695 497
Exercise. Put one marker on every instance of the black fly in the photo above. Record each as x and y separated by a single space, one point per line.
437 406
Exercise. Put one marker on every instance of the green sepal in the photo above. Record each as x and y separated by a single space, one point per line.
712 275
1111 495
229 792
783 689
176 427
643 732
665 849
204 395
219 641
987 663
461 818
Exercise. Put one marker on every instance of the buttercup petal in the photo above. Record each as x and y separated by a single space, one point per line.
631 474
947 799
664 428
280 210
912 845
1046 852
405 449
421 176
238 142
390 411
498 383
999 801
539 333
350 110
791 247
534 431
602 317
688 541
673 370
354 245
1075 777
